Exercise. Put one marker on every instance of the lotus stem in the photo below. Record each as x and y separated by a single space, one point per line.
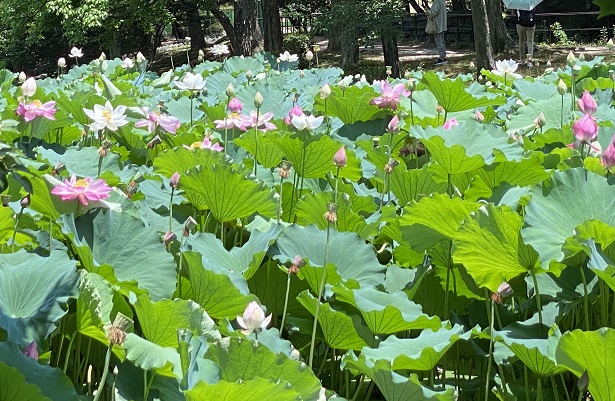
527 388
492 318
256 142
179 268
561 118
51 238
67 357
585 301
191 100
147 384
15 229
359 385
537 295
280 205
554 388
561 376
103 379
327 119
285 303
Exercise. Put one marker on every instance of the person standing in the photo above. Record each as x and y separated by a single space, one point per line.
438 12
526 27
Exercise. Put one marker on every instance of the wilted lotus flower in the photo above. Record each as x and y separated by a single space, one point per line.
587 104
127 63
169 237
286 56
253 319
61 62
561 87
156 119
84 189
339 158
393 126
116 331
107 117
219 50
191 82
331 214
261 121
22 77
448 124
504 291
189 225
478 116
28 88
75 53
506 68
304 122
325 91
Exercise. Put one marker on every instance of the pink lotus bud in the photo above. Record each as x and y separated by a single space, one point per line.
340 159
393 126
587 104
478 116
253 319
235 105
608 157
450 123
174 182
25 201
504 291
540 121
585 129
31 351
169 237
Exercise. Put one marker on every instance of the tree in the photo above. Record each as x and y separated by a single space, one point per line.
244 32
480 21
272 29
500 38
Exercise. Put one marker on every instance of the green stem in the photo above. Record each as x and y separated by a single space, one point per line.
326 119
527 387
537 295
359 386
50 235
585 301
228 100
179 268
171 210
256 141
280 206
103 379
191 100
67 357
538 388
561 117
321 288
15 229
487 381
411 111
554 388
561 376
368 393
285 304
147 383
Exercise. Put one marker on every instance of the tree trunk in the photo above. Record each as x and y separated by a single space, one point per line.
415 5
391 53
500 39
195 28
227 25
482 35
335 35
248 36
272 29
350 49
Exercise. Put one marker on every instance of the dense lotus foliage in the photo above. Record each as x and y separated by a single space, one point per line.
248 230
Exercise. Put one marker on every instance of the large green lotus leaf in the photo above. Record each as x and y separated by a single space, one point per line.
467 146
13 386
351 105
221 295
527 172
151 356
134 250
180 108
268 154
257 389
312 275
228 194
551 109
453 95
562 204
420 353
53 384
393 386
311 208
33 290
490 247
243 260
432 219
594 352
413 184
536 90
353 258
237 64
601 263
161 320
386 313
526 343
74 104
340 329
275 100
180 160
242 360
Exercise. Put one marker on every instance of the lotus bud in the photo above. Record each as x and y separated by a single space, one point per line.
561 87
411 85
610 45
583 382
504 291
25 201
587 104
258 100
31 351
331 214
249 75
140 57
343 86
61 62
325 91
22 77
285 169
571 59
235 105
481 78
189 225
58 168
472 66
201 55
478 116
576 70
540 121
340 159
230 91
188 39
407 74
155 141
376 141
548 63
608 156
581 56
309 55
28 88
174 181
102 56
393 126
169 237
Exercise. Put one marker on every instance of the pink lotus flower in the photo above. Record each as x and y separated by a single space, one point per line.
84 189
450 124
35 108
478 116
263 123
294 112
235 105
608 157
206 144
585 129
587 104
154 119
393 126
339 158
253 319
31 351
389 96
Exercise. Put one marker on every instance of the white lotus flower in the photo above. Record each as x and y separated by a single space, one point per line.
107 117
28 88
253 319
506 68
307 122
191 82
140 57
61 62
22 77
128 63
75 53
219 50
286 56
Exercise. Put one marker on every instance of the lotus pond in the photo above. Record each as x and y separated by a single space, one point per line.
246 230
